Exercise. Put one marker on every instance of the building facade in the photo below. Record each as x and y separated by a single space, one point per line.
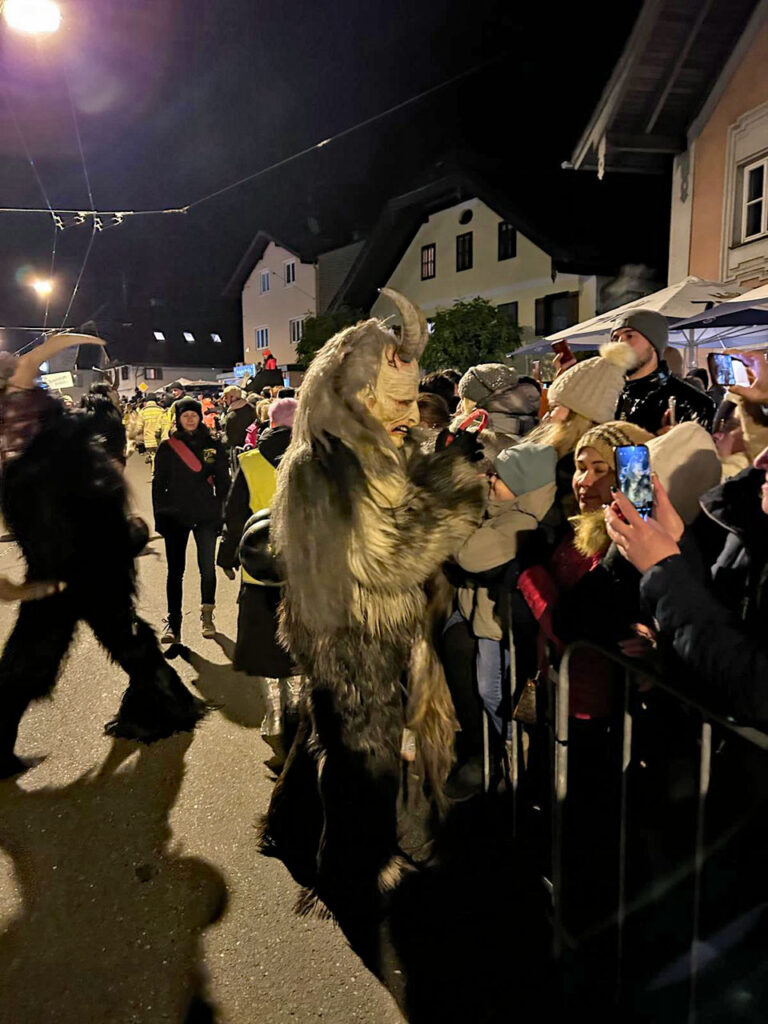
277 297
719 228
468 250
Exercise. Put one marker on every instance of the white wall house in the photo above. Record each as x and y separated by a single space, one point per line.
468 250
279 294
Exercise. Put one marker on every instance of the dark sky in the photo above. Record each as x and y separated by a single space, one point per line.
177 98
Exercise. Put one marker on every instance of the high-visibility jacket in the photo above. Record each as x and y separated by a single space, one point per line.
149 423
261 477
169 422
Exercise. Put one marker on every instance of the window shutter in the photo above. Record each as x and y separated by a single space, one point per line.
541 316
573 308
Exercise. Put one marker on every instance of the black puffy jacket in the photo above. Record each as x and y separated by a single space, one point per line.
645 401
717 628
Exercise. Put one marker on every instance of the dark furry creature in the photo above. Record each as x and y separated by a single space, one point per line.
362 521
64 500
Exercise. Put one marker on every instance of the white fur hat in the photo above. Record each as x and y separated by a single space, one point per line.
592 387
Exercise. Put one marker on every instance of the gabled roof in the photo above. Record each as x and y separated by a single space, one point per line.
579 249
672 60
250 258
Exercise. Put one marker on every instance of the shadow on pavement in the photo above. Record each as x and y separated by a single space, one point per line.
239 697
110 918
466 936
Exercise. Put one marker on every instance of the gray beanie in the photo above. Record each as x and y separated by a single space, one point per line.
649 323
526 467
486 379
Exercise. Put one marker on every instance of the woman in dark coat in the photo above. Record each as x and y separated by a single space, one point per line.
188 491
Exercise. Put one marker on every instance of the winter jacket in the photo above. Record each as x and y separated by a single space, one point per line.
181 495
646 401
150 424
492 545
716 627
252 490
236 422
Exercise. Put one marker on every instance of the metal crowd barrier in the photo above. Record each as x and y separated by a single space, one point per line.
559 684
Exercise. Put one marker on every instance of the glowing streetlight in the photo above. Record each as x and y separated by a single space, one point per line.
43 288
35 17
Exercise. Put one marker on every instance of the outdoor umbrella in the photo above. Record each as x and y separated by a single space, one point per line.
676 302
739 322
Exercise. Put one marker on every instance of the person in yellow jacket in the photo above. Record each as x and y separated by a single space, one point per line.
149 426
257 651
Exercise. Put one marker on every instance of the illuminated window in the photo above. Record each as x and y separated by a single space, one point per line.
428 253
189 337
216 339
159 336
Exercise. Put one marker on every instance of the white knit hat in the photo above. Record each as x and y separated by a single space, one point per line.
686 462
592 388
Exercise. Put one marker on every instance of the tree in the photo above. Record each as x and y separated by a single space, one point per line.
472 331
318 329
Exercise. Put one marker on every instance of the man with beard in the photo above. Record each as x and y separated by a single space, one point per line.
652 398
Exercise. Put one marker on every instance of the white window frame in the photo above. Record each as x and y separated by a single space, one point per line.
286 265
296 329
745 203
257 331
264 280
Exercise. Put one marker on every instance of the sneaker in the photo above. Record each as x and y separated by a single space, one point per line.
206 618
170 635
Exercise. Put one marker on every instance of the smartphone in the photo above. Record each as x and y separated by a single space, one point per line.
633 473
562 348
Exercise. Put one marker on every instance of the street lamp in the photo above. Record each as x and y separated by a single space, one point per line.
34 17
43 288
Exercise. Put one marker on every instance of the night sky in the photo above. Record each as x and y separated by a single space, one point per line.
177 98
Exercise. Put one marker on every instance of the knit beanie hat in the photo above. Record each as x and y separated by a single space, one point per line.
592 388
526 467
282 412
607 436
187 404
485 379
649 323
686 462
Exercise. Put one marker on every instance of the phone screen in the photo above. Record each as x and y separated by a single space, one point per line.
633 473
722 368
740 374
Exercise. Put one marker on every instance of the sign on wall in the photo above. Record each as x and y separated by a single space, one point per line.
57 381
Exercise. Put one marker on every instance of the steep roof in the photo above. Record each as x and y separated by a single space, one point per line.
671 62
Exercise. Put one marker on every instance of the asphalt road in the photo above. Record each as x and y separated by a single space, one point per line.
131 889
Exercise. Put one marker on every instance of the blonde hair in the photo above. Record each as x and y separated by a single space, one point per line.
561 435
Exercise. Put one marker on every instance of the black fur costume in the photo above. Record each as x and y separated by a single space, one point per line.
64 500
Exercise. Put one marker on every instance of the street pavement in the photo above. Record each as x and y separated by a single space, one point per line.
131 888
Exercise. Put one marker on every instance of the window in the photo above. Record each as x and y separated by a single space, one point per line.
159 336
465 216
125 372
153 372
296 329
464 251
290 272
264 281
262 337
507 241
556 312
428 253
754 214
509 311
216 338
189 337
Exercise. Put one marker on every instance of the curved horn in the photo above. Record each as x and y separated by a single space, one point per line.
29 364
414 326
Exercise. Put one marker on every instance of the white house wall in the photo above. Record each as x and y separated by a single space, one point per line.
277 307
522 279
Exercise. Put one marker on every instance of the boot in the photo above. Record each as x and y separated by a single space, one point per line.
171 632
206 617
272 726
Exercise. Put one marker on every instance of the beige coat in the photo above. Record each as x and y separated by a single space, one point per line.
493 544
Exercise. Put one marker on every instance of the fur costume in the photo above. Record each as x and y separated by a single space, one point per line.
64 500
362 521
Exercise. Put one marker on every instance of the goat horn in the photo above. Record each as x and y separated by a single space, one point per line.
29 364
415 333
